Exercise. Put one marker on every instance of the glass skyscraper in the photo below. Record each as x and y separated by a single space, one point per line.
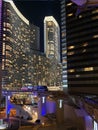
22 63
79 46
64 45
18 38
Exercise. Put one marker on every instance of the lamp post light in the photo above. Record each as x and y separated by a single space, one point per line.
22 82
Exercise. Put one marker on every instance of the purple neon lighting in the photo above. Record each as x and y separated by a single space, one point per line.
82 2
79 2
0 17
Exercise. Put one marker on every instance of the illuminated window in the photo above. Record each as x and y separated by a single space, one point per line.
4 35
85 44
71 47
95 11
70 53
70 14
63 34
88 69
4 29
71 70
77 75
64 51
80 16
3 39
95 36
8 47
84 50
64 60
3 48
2 63
95 17
69 4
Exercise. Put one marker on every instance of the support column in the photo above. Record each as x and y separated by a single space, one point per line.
59 111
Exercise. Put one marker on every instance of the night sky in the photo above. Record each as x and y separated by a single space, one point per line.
36 10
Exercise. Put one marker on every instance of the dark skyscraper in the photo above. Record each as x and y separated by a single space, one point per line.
82 51
64 44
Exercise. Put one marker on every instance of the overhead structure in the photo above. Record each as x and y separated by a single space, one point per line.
85 2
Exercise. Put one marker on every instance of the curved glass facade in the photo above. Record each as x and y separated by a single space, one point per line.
22 62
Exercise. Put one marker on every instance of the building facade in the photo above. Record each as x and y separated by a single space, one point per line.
51 38
81 38
19 37
21 61
64 45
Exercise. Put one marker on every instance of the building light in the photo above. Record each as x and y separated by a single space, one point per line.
88 69
85 44
69 4
70 53
77 75
95 36
95 125
84 51
95 17
71 70
80 16
60 103
70 14
43 99
71 47
95 11
4 35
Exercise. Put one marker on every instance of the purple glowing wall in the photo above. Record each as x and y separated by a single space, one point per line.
0 49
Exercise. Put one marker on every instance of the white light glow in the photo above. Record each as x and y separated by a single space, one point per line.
60 103
3 126
8 97
17 11
95 125
43 99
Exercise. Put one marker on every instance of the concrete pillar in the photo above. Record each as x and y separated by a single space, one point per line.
59 111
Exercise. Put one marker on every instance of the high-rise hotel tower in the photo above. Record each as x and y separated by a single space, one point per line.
51 38
18 37
21 62
79 44
52 49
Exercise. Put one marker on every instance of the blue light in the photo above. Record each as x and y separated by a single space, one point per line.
43 111
9 108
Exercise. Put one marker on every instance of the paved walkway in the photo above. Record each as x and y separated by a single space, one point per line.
14 123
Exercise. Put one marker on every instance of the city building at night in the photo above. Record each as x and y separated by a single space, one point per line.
25 70
19 37
79 46
82 48
79 25
51 38
64 45
22 61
